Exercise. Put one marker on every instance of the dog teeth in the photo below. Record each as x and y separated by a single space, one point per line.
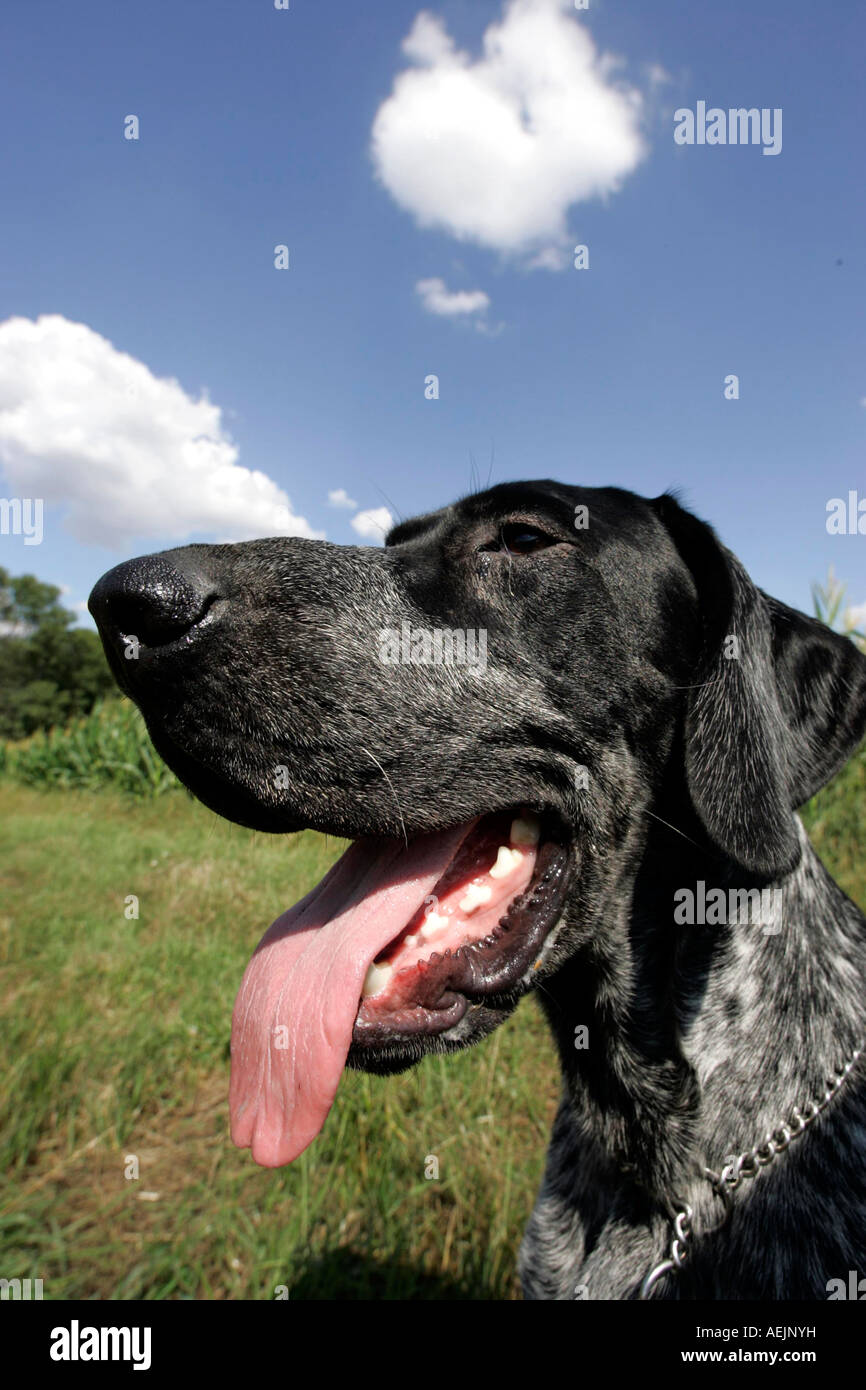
525 830
507 861
376 979
477 894
410 940
432 925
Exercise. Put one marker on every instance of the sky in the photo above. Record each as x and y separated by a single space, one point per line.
168 373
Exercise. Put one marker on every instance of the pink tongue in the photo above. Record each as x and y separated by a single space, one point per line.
295 1010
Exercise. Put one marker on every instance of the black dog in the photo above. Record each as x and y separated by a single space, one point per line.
568 735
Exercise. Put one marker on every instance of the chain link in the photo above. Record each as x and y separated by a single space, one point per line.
739 1166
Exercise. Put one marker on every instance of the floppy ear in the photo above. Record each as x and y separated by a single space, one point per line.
778 705
821 683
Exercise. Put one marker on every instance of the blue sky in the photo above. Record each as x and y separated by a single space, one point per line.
255 131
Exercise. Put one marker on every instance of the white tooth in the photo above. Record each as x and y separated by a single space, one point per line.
377 978
507 861
477 894
432 925
525 830
410 941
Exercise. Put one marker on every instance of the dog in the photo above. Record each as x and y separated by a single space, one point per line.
602 809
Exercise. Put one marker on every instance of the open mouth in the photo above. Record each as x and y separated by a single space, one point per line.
474 936
396 942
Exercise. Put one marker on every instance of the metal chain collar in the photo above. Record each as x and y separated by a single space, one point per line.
740 1166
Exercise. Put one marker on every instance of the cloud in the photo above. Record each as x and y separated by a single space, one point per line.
373 524
339 497
657 75
129 454
437 299
496 150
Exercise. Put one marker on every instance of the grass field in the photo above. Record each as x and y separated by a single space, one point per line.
116 1035
116 1042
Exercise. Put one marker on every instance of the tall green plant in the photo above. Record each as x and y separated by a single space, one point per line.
828 600
110 747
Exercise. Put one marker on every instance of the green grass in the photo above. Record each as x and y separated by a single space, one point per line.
116 1044
836 822
116 1036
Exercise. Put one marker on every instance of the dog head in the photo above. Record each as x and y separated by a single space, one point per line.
496 708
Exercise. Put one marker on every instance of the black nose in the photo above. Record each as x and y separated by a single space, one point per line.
154 599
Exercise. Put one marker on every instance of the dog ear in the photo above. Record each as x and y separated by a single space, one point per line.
821 684
778 705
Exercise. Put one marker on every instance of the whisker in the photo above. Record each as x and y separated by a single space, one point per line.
395 511
393 793
673 828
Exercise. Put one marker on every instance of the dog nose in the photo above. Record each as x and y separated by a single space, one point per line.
151 598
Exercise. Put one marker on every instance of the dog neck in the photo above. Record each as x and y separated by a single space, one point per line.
700 1036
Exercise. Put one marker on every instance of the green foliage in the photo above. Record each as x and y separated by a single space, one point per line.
116 1044
827 600
836 821
50 672
26 600
110 747
116 1036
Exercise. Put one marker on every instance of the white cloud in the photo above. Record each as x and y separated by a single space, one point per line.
496 150
373 524
549 258
438 299
339 497
657 75
129 454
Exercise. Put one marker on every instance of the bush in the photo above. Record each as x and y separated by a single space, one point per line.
110 747
50 672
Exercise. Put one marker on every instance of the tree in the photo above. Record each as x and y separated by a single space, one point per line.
50 672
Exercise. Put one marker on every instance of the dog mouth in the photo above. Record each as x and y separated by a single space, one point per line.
396 943
474 936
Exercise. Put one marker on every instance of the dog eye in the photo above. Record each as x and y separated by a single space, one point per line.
515 538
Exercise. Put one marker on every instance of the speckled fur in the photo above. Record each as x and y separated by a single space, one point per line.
606 651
